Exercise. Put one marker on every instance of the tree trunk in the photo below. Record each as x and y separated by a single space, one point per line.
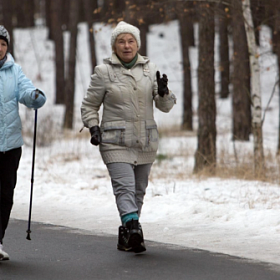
186 32
89 7
70 82
256 88
40 8
258 15
143 24
119 8
224 50
241 98
189 13
48 18
205 155
143 36
24 13
7 10
57 35
276 43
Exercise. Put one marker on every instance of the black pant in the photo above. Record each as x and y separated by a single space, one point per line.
9 162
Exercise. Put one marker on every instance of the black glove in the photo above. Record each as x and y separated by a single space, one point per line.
95 135
162 84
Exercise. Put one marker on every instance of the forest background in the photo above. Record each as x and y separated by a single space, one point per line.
237 23
205 184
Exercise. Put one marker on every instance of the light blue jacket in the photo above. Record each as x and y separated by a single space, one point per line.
15 88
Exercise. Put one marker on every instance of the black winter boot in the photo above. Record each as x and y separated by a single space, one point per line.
135 237
123 239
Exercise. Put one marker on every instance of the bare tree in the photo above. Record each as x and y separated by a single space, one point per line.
89 7
241 98
56 10
7 13
224 67
25 10
184 13
70 81
256 87
258 14
205 155
276 44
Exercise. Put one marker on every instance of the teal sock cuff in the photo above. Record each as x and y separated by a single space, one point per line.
128 217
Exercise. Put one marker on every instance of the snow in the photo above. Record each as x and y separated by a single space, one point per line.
72 187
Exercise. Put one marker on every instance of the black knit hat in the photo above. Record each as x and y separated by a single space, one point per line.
4 34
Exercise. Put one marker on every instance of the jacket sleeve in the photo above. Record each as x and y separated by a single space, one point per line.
165 103
25 92
93 99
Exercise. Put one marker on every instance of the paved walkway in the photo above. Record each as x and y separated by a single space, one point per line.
68 254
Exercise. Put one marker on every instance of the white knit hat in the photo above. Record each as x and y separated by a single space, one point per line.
124 27
4 34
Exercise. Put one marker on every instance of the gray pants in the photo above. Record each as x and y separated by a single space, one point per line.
129 184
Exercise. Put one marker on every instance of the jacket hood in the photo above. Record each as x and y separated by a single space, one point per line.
9 62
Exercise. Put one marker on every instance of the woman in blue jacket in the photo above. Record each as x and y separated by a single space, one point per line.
15 88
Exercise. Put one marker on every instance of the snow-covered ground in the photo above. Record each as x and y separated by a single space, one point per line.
72 187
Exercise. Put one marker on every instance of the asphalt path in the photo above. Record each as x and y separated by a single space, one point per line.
67 254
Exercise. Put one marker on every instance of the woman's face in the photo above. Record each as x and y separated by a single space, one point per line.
3 48
126 47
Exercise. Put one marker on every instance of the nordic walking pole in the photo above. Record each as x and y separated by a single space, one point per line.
32 176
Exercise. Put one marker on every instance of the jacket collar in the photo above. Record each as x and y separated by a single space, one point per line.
114 60
8 63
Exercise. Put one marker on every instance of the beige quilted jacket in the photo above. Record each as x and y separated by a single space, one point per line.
129 131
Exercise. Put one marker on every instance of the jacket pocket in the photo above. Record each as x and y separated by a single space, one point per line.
114 132
151 135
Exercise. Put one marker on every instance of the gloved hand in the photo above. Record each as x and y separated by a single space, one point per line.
35 93
162 84
95 135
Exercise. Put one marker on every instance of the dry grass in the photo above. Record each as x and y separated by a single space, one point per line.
175 131
238 166
244 169
46 131
228 166
225 170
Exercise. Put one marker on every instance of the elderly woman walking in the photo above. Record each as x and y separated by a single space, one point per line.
15 88
127 84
